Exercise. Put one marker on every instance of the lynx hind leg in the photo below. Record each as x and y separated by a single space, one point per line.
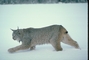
56 45
32 48
68 40
56 42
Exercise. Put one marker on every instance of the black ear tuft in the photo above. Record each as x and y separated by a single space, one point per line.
12 30
66 32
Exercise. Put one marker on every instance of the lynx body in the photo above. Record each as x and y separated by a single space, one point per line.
30 37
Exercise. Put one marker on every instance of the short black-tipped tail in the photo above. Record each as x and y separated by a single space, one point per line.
63 29
66 32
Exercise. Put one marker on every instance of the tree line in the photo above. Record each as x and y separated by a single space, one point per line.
40 1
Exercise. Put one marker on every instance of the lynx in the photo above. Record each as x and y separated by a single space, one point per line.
30 37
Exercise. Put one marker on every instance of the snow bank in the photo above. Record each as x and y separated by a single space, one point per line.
72 16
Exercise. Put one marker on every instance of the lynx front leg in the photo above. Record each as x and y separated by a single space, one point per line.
68 40
21 47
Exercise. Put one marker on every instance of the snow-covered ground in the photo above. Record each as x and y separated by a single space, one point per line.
74 17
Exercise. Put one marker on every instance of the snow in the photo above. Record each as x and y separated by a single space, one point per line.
74 17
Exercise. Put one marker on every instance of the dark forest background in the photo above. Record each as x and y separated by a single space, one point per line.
40 1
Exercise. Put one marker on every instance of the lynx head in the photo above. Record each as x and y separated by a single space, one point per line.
17 34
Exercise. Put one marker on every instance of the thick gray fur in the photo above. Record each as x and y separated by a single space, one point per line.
30 37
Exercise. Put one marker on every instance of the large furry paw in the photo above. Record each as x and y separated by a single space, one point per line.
59 49
11 50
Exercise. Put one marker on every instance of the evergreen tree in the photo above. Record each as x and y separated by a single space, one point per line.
40 1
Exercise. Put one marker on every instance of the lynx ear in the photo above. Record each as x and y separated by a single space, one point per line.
12 30
17 28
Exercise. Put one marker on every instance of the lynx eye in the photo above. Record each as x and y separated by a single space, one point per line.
19 33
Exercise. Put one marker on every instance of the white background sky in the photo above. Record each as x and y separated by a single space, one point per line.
72 16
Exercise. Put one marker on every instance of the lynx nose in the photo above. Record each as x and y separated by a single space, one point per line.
14 38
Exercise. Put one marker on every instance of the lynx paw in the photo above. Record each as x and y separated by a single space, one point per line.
11 50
